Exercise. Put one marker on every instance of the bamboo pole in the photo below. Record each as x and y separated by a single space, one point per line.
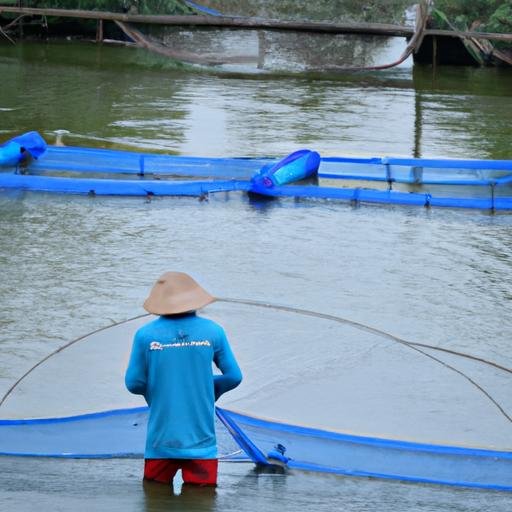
382 29
20 22
476 35
222 22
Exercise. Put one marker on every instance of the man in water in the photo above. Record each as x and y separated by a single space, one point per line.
171 366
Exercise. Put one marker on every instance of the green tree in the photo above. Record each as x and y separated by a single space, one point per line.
493 15
501 19
141 6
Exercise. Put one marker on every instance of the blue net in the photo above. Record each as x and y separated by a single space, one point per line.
334 410
268 442
106 434
106 161
479 184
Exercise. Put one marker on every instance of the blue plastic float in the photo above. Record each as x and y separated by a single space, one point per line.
14 150
296 166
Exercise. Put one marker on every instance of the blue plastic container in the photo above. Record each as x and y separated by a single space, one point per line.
296 166
11 153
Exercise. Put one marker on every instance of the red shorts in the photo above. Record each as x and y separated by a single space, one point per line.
193 471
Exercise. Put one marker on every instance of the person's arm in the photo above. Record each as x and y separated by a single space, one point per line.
136 373
226 363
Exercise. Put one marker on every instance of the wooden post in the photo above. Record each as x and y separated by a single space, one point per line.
434 52
20 23
99 31
418 124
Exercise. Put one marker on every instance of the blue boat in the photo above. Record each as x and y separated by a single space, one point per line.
455 183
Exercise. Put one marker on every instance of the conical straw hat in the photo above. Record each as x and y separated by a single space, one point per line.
176 292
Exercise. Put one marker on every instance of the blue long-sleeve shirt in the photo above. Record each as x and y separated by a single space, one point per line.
171 365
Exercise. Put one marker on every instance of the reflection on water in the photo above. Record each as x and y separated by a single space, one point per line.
463 102
120 97
179 497
115 485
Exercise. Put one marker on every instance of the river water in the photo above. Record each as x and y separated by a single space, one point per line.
70 265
